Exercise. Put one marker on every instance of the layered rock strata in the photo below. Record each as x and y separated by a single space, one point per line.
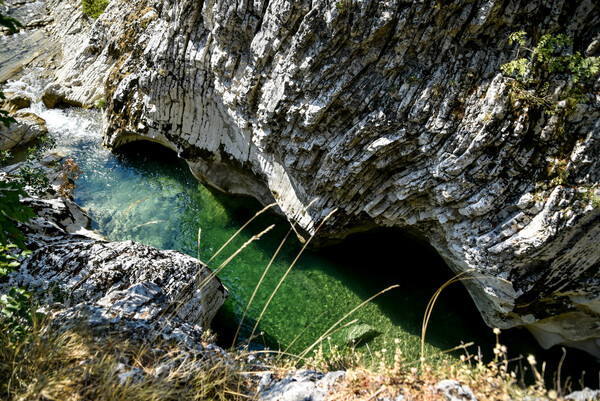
394 112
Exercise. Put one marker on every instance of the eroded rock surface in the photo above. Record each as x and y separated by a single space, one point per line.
394 112
107 282
124 286
27 127
299 386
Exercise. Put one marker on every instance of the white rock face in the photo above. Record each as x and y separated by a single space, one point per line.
394 112
27 127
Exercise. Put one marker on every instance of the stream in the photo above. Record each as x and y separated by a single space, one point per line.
145 193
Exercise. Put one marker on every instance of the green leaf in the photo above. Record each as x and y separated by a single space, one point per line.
10 23
11 210
518 37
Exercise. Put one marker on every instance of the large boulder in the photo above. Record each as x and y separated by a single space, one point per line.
28 127
123 286
395 112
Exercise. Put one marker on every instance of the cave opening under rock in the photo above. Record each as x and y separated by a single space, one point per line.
370 261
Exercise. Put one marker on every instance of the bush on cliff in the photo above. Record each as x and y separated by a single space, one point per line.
93 8
550 72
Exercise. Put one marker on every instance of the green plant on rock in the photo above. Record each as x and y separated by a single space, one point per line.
9 22
343 6
9 258
30 174
93 8
11 238
11 211
590 195
100 103
17 311
5 157
34 178
549 72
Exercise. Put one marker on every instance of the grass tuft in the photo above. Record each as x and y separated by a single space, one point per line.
72 364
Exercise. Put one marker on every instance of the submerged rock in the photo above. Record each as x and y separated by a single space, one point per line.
359 334
394 112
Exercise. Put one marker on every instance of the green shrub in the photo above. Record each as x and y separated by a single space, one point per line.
11 210
93 8
29 174
16 313
549 72
5 157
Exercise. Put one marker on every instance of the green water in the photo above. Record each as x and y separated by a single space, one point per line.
146 194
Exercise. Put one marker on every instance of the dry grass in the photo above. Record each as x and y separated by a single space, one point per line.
417 381
73 364
56 364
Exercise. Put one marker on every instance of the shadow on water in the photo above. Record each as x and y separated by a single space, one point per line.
375 259
324 285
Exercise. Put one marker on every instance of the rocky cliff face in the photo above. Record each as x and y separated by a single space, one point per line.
395 112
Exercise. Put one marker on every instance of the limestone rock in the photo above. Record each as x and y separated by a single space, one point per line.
125 279
39 22
15 101
452 390
301 385
28 127
394 112
587 394
55 97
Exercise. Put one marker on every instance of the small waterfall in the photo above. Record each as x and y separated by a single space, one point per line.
72 128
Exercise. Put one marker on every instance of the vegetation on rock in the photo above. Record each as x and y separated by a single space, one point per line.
93 8
549 73
9 22
11 211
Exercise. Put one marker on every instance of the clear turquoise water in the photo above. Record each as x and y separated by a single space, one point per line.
147 194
